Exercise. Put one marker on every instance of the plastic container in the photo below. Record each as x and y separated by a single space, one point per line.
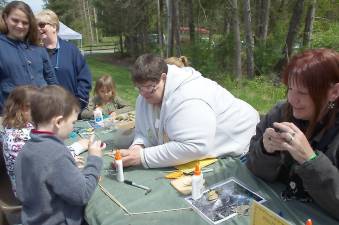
197 183
119 167
98 118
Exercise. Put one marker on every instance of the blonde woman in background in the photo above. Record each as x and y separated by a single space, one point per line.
182 61
69 65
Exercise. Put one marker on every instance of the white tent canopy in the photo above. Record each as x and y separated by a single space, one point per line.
67 33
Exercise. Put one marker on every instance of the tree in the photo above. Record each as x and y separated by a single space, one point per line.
176 27
170 33
265 20
191 20
237 46
309 24
262 19
160 27
249 39
291 35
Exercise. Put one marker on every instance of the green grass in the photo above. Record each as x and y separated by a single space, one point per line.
259 92
120 75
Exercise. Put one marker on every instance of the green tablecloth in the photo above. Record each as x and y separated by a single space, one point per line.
101 210
113 137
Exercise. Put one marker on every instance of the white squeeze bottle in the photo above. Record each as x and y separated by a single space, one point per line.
197 183
118 166
98 118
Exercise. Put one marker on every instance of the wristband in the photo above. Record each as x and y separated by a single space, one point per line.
312 157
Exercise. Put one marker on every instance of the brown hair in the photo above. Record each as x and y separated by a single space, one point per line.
48 16
32 35
105 81
17 101
315 70
148 67
52 101
182 61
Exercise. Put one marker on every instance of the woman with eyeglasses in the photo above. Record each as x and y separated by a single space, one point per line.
297 142
69 65
182 116
22 61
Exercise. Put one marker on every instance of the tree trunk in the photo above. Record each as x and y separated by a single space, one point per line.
257 18
265 19
237 47
191 20
249 39
291 35
96 25
176 27
309 25
160 33
121 43
226 24
262 19
84 16
170 41
90 22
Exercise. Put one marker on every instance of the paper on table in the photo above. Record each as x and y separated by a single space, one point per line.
189 167
77 148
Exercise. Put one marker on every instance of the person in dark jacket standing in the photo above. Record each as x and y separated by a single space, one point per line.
22 61
297 142
70 66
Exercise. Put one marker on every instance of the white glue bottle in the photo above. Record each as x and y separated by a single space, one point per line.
197 183
118 166
98 118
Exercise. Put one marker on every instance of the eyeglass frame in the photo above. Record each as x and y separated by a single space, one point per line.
42 25
150 89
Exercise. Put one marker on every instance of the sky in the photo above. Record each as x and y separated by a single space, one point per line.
36 5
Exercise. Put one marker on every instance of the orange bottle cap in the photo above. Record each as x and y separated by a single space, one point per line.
309 222
117 155
197 170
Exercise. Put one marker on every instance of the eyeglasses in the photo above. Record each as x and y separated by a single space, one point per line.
42 24
149 89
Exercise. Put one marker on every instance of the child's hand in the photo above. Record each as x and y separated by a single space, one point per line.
95 147
79 161
113 114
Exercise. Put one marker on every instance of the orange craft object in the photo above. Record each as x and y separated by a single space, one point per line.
309 222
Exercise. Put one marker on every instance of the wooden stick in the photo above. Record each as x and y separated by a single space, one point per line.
160 211
114 199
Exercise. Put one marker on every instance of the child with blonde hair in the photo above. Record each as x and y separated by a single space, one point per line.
106 98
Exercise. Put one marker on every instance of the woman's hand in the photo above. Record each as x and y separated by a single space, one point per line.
294 141
272 140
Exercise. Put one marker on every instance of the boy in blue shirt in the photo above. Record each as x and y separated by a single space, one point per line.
50 186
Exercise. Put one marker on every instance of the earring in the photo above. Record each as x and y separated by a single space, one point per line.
331 105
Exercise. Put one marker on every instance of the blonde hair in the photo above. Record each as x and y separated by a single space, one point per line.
182 61
105 81
48 16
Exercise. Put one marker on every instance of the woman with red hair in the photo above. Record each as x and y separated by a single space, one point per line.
297 142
